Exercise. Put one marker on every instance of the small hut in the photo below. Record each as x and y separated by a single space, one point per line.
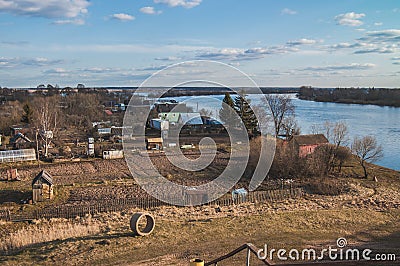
154 143
42 187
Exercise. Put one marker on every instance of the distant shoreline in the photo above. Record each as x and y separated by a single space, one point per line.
182 90
364 96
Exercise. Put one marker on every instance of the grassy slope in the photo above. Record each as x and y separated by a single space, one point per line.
178 241
177 238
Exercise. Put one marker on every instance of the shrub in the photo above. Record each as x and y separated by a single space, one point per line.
326 186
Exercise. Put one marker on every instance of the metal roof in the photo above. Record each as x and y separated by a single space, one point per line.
310 139
47 178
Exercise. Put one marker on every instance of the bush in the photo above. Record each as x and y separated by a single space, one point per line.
326 186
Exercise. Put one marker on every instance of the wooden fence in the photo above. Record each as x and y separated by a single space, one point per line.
72 211
252 249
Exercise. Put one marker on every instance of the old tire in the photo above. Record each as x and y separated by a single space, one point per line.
134 224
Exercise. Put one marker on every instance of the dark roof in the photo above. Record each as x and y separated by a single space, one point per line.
45 176
18 137
310 139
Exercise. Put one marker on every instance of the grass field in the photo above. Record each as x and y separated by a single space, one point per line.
175 241
365 212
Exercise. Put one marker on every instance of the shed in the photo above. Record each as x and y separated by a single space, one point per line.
306 144
20 141
110 155
42 187
239 194
154 143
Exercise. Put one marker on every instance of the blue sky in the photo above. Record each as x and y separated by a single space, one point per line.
278 43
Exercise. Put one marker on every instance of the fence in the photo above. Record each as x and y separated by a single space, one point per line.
252 249
72 211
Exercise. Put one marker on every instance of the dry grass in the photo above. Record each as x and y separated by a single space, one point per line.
46 232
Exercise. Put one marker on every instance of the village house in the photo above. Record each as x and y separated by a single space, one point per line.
42 187
19 129
20 141
306 144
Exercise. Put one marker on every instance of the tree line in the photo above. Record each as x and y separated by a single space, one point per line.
378 96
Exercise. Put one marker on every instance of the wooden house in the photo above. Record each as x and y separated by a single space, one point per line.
20 141
306 144
42 187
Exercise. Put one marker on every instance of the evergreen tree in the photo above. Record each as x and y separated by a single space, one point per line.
243 109
28 114
227 113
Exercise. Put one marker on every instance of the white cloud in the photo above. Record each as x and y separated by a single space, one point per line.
99 70
353 66
287 11
377 42
378 24
346 45
69 21
183 3
383 36
235 54
378 50
123 17
35 62
150 10
47 9
56 71
301 42
169 58
152 49
350 19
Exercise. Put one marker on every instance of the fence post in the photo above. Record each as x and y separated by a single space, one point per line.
248 257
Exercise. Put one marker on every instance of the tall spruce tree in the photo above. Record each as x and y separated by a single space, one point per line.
243 109
227 113
27 114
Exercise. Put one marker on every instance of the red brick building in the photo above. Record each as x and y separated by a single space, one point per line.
306 144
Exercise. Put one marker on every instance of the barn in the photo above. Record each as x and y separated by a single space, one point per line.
306 144
42 187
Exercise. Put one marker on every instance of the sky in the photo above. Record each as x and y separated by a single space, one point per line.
286 43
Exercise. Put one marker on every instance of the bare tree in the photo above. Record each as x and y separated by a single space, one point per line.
342 155
290 127
282 108
337 134
46 118
367 150
205 112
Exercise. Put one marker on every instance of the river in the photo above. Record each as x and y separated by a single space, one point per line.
381 122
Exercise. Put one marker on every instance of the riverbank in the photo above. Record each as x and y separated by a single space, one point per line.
374 96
